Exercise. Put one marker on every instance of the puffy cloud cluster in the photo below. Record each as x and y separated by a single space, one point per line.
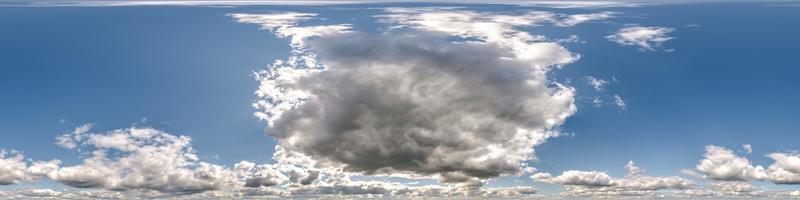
12 167
594 183
135 159
411 101
647 38
722 164
575 177
785 169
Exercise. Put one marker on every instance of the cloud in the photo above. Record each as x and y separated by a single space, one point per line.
573 20
149 163
747 148
619 102
647 38
594 183
260 175
724 165
736 188
597 102
412 102
43 193
596 83
12 167
68 140
785 169
135 159
575 177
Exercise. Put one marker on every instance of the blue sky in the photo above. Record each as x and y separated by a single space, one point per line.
725 77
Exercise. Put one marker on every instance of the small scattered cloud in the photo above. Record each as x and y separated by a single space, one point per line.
570 39
596 83
620 102
647 38
597 102
747 148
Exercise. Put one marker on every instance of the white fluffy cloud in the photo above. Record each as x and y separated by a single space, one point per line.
594 183
647 38
12 167
785 169
724 165
410 101
575 177
135 159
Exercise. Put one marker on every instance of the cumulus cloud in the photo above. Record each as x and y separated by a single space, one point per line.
135 159
412 102
747 148
594 183
724 165
575 177
12 167
647 38
785 169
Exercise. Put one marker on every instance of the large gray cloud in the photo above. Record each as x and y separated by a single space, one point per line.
414 102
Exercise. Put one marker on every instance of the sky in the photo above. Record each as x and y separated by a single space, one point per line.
378 99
